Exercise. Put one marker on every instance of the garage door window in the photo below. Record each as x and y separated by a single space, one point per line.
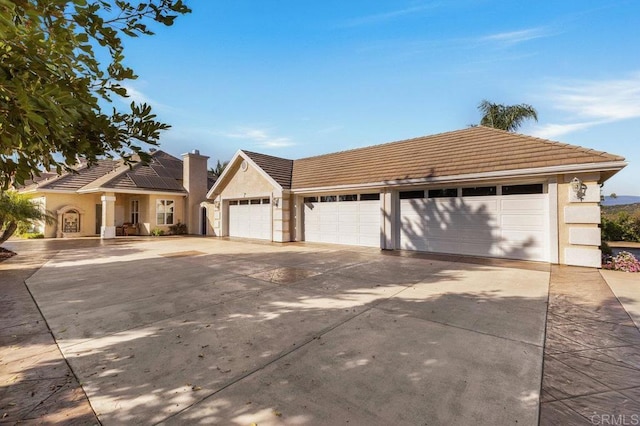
443 193
308 200
328 199
479 191
350 197
407 195
536 188
266 201
369 197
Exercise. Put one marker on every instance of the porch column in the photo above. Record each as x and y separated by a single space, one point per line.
108 228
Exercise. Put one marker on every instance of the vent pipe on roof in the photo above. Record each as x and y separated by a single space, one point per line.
196 151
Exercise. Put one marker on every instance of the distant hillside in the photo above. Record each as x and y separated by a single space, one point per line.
620 200
611 211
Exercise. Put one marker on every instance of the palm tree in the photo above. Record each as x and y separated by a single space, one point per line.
16 208
505 117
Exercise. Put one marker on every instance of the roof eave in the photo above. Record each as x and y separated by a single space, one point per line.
610 168
132 191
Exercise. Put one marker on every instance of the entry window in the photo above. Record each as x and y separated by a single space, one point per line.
369 197
479 191
536 188
328 199
350 197
310 200
407 195
443 193
135 211
164 212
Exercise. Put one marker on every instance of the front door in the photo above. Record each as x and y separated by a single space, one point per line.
98 218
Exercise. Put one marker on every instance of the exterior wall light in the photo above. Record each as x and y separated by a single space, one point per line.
216 204
579 188
276 201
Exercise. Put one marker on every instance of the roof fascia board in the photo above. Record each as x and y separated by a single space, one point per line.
223 176
131 191
472 177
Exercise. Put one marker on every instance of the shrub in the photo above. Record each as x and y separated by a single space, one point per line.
621 227
606 250
32 235
623 261
157 232
178 229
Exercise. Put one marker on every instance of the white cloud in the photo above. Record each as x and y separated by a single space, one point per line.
515 37
385 16
260 137
592 103
137 96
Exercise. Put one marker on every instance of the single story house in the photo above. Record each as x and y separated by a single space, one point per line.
113 198
477 191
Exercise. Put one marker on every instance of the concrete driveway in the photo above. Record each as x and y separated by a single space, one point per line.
208 331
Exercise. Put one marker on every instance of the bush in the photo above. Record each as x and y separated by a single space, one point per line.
157 232
623 261
32 235
622 227
178 229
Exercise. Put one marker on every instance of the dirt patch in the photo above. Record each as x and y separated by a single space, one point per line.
6 254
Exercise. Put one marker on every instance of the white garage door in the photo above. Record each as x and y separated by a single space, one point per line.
514 225
343 219
250 218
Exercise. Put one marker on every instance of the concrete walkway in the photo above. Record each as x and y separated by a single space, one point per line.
592 349
194 330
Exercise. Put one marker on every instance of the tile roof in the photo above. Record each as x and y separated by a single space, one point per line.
163 173
280 169
83 176
472 150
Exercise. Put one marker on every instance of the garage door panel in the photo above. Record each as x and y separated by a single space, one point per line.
250 221
343 222
500 226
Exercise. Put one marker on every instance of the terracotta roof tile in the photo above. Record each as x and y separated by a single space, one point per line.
472 150
279 169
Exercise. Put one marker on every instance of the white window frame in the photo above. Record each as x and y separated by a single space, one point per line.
165 207
135 211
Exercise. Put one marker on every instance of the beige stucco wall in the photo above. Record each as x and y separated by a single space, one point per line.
249 183
85 203
149 223
578 222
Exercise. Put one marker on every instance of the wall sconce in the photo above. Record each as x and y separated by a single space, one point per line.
579 188
216 204
276 201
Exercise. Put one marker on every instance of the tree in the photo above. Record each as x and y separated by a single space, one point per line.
56 97
219 168
16 208
505 117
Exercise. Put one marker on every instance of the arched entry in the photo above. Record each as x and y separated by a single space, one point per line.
203 220
69 221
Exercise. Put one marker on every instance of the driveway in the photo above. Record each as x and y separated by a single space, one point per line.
208 331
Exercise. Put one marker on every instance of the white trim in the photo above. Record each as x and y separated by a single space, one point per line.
473 177
554 237
130 191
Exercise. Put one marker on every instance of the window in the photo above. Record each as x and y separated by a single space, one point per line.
328 199
135 211
310 200
233 202
266 201
369 197
443 193
350 197
254 201
407 195
244 202
479 191
535 188
164 212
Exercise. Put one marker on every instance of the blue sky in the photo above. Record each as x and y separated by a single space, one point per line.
296 78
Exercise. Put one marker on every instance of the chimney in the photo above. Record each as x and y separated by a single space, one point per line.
194 180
